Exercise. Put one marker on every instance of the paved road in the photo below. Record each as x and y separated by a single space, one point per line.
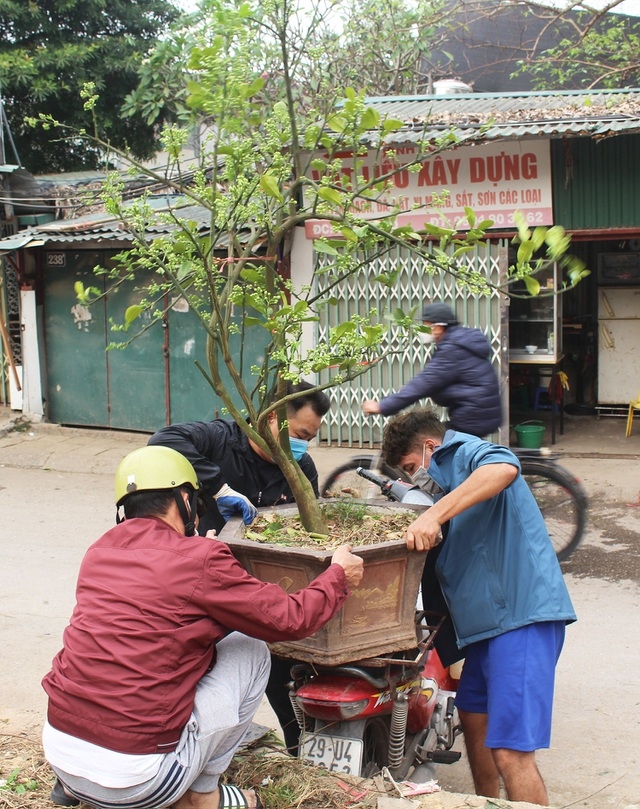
55 499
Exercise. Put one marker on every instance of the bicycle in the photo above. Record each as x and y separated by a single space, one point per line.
560 496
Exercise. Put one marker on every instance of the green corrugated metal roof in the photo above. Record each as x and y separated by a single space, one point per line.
490 116
98 227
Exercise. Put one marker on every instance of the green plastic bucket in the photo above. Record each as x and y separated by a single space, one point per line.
530 434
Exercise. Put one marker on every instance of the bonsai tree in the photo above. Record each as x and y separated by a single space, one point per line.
270 163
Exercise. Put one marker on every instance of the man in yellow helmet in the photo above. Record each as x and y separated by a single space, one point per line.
164 661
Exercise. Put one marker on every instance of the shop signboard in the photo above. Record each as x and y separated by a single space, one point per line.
493 179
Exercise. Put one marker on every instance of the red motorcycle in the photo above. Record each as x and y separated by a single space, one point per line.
395 711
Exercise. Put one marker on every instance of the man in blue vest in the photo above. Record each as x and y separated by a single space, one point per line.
504 590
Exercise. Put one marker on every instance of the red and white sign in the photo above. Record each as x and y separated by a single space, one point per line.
494 179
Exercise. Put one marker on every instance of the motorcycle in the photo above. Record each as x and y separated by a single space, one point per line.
396 711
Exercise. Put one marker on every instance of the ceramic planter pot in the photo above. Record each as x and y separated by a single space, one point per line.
377 618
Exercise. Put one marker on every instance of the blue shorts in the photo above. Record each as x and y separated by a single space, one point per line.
511 678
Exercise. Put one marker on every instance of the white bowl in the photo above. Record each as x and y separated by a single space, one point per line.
531 349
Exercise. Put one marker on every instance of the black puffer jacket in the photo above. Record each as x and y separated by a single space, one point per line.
460 377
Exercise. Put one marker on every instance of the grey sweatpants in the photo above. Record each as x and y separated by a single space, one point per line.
225 703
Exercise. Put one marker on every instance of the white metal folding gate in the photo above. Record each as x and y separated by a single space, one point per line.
416 284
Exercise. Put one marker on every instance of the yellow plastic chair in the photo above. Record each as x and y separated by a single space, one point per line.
633 406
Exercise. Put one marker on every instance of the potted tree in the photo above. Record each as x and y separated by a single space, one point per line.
273 161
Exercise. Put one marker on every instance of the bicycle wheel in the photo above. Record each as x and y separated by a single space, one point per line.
562 501
344 483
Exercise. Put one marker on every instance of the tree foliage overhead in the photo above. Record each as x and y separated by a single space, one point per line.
51 48
596 48
548 45
383 46
380 47
273 161
400 47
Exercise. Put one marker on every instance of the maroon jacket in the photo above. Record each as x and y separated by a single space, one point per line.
150 606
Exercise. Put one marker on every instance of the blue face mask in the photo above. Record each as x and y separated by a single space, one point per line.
298 447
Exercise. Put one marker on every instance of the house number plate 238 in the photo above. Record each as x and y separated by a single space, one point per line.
56 259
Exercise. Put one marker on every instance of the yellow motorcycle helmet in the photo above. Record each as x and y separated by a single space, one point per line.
157 468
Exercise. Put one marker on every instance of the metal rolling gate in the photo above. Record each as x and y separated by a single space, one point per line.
345 424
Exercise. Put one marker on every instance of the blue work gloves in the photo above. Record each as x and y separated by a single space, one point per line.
230 502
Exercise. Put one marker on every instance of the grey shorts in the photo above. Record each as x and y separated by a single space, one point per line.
226 700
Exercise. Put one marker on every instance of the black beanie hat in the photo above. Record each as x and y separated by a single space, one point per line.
439 313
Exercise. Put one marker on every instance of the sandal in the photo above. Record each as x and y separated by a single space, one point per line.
61 797
233 798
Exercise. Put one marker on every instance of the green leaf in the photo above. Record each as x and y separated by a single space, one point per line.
248 90
391 125
464 248
435 230
470 214
254 276
252 321
132 313
343 329
532 284
372 334
349 234
521 223
370 119
323 247
269 185
525 252
538 237
330 195
337 123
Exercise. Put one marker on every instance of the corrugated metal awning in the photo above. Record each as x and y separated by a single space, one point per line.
11 243
492 116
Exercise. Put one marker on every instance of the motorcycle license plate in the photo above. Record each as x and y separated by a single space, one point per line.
334 753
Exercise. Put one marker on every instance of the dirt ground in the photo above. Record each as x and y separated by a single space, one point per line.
49 517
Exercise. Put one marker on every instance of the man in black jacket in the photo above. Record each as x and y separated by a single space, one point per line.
239 477
235 472
459 376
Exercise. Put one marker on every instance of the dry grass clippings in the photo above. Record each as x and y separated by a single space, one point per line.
288 783
26 778
282 782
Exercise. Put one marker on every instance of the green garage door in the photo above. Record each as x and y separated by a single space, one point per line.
192 398
152 382
76 379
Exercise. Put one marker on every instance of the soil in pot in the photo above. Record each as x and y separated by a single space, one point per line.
348 523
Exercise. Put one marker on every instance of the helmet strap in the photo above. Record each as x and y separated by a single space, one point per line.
188 517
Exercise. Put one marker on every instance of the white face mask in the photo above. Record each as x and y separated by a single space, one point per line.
427 337
421 477
421 473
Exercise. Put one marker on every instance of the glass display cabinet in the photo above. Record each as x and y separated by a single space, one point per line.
535 339
535 324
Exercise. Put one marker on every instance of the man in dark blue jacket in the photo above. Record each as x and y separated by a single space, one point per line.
459 376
